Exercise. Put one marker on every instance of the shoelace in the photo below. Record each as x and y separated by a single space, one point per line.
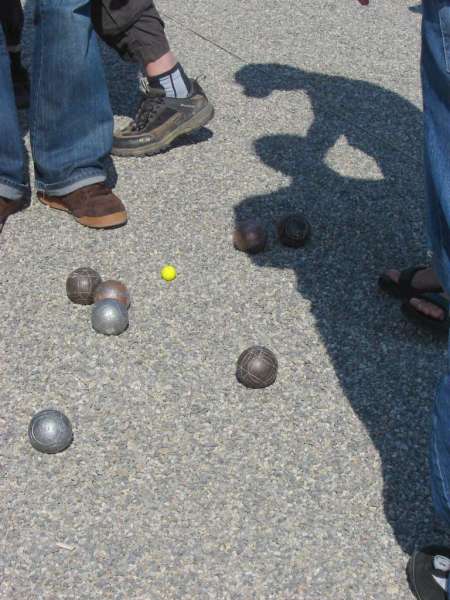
148 108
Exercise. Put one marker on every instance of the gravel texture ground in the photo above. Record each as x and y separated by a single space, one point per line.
180 483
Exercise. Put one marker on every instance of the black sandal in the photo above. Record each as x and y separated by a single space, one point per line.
403 289
437 325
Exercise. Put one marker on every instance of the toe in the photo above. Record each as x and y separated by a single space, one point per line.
427 308
393 274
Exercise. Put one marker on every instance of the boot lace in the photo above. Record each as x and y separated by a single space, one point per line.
147 109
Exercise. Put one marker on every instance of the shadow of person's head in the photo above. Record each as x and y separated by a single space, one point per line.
369 115
260 80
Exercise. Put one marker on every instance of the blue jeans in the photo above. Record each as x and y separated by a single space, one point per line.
435 67
71 123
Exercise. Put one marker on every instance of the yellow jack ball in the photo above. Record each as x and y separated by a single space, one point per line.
168 273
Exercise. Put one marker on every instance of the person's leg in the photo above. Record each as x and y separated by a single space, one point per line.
145 43
138 35
428 568
71 123
172 104
12 183
436 98
11 17
440 451
155 68
13 190
435 71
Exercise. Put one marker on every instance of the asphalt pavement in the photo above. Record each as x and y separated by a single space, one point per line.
180 482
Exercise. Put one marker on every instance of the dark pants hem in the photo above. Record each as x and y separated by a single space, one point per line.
142 39
141 42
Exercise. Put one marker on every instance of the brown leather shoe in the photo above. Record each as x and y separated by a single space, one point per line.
93 206
8 208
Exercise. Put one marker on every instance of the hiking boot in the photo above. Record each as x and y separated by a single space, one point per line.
93 206
160 120
21 84
8 208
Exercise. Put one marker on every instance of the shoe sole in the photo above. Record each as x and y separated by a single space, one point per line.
199 120
410 577
106 222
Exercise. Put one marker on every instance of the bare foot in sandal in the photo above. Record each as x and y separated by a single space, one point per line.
410 282
429 309
424 279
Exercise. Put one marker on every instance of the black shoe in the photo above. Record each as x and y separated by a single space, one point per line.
160 120
420 571
21 84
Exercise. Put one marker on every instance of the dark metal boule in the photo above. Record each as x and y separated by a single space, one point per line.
250 237
294 231
257 367
81 284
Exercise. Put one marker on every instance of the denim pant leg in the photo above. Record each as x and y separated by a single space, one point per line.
440 451
435 70
12 155
435 67
71 118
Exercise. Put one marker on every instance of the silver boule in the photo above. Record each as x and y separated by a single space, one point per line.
50 431
109 317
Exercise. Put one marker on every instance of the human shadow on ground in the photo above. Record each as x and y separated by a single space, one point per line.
360 227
